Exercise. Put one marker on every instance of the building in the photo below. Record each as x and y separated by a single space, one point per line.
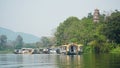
96 16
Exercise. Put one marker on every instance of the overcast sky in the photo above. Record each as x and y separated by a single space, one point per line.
41 17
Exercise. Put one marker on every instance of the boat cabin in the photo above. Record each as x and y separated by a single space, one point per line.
24 51
71 49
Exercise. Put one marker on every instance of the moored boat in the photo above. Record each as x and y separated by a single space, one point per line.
24 51
71 49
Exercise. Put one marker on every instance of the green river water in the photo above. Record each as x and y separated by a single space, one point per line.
59 61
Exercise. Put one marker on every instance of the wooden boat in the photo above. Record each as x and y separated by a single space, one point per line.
24 51
71 49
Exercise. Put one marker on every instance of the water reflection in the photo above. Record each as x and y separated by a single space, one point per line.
27 61
89 61
59 61
69 61
101 61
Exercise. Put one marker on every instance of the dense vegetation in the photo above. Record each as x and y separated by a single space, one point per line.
99 37
10 45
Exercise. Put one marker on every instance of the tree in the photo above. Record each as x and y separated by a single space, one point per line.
90 15
112 27
3 41
68 31
45 41
19 42
75 30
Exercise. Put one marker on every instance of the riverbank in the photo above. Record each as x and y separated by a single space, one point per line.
116 50
87 50
6 51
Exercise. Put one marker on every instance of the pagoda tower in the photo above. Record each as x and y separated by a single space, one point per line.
96 16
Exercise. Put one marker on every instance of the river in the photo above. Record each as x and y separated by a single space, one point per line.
59 61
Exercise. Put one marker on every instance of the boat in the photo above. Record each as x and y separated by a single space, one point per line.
24 51
71 49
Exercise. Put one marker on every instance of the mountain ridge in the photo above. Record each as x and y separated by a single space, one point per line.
12 35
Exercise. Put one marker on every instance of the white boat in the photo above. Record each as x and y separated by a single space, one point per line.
24 51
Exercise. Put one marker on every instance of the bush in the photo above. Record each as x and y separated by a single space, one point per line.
116 50
88 49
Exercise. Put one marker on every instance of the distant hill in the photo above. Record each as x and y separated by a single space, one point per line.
11 35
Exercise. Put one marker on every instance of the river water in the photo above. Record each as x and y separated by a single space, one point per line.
59 61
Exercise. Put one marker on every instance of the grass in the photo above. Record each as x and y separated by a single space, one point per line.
6 51
116 50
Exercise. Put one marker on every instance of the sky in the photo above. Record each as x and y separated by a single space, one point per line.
41 17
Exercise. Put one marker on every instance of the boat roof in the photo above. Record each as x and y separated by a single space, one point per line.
73 44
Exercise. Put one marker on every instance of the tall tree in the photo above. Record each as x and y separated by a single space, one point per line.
68 31
19 42
3 41
75 30
112 27
45 42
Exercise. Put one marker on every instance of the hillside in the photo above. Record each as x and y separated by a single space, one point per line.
11 35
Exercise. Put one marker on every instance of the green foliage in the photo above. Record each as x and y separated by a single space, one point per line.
115 50
88 49
75 30
97 37
9 51
46 42
68 31
3 41
29 45
112 27
19 42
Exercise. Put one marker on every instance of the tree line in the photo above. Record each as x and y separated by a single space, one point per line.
18 43
99 37
5 44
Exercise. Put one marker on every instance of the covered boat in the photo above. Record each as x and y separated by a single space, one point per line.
71 49
24 51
